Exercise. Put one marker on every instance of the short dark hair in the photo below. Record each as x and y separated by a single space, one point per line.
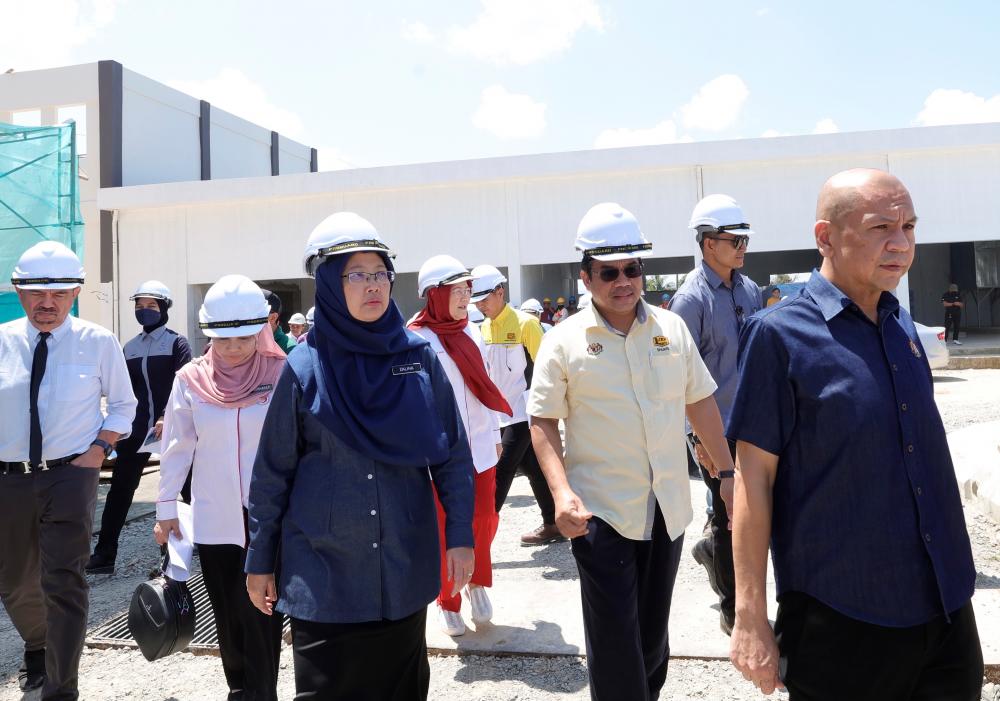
587 265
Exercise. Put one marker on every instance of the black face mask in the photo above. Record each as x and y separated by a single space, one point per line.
147 317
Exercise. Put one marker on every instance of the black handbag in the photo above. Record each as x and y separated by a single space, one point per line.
161 616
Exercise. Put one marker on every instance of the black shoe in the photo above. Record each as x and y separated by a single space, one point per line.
100 564
726 622
31 675
704 556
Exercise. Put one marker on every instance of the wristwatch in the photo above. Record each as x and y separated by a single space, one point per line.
103 445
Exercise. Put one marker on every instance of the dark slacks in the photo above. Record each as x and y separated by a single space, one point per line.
46 520
375 661
517 452
249 641
952 321
826 655
626 586
124 481
722 541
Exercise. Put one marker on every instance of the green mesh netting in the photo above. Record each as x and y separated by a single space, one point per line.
39 198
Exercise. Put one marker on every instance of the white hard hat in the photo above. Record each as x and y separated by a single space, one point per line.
153 289
441 270
721 213
532 306
476 316
342 232
48 265
310 315
608 231
297 318
234 306
485 279
584 301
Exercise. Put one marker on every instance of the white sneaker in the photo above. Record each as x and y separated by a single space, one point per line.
479 600
957 342
451 622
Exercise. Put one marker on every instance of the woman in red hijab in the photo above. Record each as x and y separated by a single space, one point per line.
212 427
446 284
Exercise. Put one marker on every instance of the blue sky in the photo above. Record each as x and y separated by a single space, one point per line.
393 81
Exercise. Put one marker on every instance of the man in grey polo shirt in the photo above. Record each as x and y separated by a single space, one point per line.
713 301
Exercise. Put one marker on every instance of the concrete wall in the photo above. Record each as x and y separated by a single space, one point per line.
240 149
293 157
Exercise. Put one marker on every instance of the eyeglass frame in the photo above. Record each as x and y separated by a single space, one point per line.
738 240
389 275
621 271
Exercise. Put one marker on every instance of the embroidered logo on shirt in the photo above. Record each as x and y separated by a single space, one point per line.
914 349
408 369
511 336
595 349
661 342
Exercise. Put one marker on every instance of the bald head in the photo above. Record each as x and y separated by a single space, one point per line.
846 190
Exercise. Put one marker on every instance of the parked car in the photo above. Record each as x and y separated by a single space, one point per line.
932 339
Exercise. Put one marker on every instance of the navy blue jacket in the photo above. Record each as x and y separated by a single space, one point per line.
358 538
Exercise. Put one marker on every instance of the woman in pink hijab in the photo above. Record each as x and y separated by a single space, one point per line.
212 426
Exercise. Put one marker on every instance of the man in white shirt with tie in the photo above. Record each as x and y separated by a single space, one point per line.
54 371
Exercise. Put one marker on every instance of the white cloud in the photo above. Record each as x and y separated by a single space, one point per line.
957 107
234 92
826 126
771 133
45 34
763 11
663 133
418 33
717 105
508 115
524 31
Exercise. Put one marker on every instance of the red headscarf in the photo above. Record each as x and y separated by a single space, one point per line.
237 386
460 347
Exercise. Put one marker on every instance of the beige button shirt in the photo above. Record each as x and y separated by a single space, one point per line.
623 400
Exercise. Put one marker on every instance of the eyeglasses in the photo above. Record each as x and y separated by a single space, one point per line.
738 241
632 270
382 277
461 291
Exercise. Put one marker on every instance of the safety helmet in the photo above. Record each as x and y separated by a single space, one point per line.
547 299
441 270
476 316
485 279
233 306
560 300
310 315
154 289
584 301
571 299
48 265
608 232
342 232
297 318
532 306
718 213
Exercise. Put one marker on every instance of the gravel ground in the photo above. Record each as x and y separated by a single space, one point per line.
965 397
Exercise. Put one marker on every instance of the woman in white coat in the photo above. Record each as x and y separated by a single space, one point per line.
446 284
212 427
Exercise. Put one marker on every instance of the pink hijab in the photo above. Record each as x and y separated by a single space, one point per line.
237 386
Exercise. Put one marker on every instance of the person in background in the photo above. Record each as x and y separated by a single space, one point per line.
571 305
835 423
952 303
446 284
55 370
512 338
297 325
153 357
532 306
561 312
212 427
284 342
547 311
310 316
343 528
774 297
665 300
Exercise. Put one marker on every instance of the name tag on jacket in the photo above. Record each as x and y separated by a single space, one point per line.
408 369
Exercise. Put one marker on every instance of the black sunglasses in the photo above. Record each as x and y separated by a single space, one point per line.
738 241
632 270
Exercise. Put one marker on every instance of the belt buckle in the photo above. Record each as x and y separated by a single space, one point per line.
40 467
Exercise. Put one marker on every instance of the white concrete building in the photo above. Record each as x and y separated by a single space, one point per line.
521 214
132 130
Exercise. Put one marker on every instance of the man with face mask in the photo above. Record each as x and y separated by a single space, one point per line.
152 358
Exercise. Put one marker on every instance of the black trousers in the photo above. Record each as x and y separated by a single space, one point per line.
517 452
374 661
826 655
124 481
953 321
722 540
626 587
249 641
45 524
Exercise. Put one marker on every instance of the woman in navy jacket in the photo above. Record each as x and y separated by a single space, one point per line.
341 504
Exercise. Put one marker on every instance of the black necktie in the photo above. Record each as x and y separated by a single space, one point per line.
37 373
